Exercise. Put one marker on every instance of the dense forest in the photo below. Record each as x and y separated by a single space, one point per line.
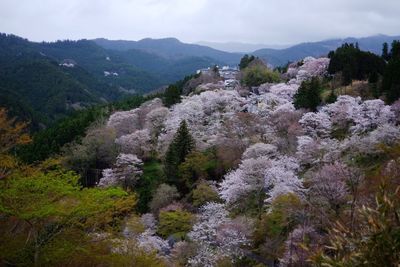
44 82
293 166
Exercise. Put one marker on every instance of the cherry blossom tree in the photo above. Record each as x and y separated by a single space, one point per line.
312 151
387 134
204 114
155 120
395 108
370 115
308 68
138 143
343 111
245 181
287 128
295 252
284 90
260 150
281 178
217 236
124 122
126 172
316 124
328 185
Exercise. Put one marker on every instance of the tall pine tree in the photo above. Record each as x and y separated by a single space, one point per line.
182 144
385 52
391 78
309 95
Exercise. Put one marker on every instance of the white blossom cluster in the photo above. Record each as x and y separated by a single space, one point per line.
363 124
127 171
204 114
217 236
310 67
261 172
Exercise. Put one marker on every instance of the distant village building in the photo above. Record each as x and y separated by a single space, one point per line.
69 63
110 73
226 72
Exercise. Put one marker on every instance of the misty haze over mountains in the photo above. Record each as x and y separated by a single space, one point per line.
227 53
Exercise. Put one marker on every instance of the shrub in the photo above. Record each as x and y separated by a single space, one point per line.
176 223
259 74
204 193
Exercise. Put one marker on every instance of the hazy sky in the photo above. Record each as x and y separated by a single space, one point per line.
251 21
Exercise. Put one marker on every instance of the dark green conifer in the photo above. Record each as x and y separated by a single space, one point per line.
182 144
309 95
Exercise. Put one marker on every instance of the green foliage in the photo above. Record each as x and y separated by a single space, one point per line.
391 78
385 51
182 144
196 166
176 223
354 63
245 61
376 243
152 175
51 215
204 193
172 95
309 95
258 74
279 221
37 87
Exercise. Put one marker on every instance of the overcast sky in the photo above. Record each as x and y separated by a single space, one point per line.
250 21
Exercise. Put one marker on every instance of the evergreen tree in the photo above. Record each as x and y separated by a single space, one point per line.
385 52
245 61
391 81
308 96
354 64
172 95
395 51
182 144
391 78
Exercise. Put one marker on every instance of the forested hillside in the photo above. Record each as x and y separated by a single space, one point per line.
43 82
297 166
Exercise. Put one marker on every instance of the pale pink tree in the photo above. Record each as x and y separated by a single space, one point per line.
329 185
138 143
370 115
260 150
124 122
296 253
126 172
282 178
217 236
245 181
316 124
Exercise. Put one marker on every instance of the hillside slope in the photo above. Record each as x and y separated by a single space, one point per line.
172 48
278 57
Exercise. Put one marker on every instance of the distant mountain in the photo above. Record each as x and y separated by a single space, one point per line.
173 49
36 88
236 47
278 57
42 82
